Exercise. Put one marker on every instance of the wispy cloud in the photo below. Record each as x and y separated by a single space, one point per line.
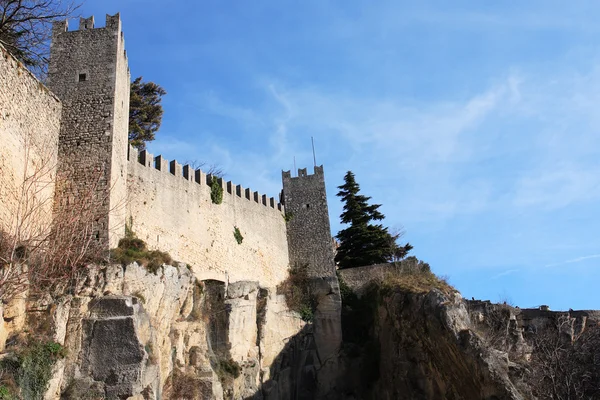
574 260
504 273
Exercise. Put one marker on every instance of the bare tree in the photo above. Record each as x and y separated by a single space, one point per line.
44 244
25 217
564 367
26 29
211 169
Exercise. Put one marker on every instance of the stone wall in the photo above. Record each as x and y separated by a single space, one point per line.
29 125
88 72
175 213
308 229
359 278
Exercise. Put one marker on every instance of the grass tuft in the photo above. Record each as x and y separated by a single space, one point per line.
416 278
134 249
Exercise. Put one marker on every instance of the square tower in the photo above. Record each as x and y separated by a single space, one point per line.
89 73
308 231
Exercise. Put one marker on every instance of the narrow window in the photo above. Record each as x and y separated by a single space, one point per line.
82 77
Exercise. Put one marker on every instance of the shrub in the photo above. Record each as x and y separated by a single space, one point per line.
229 367
298 294
306 312
216 191
134 249
238 235
187 386
31 369
288 216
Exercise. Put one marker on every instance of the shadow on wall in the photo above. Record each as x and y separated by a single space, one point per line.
293 374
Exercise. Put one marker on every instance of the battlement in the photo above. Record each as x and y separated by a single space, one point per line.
189 174
112 26
113 23
302 173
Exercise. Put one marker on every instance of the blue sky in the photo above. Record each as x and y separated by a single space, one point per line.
474 124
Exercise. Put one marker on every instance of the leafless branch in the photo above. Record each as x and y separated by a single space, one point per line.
26 29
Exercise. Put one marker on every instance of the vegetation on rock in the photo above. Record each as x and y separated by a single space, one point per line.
26 375
185 385
414 276
216 191
297 291
238 235
132 249
362 242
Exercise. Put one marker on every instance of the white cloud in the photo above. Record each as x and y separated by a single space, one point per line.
574 260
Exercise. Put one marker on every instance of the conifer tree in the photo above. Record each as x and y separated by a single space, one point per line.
362 242
145 112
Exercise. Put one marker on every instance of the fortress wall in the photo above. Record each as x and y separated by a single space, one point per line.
88 72
172 211
118 188
29 128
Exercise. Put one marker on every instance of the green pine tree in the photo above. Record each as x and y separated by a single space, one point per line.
362 242
145 112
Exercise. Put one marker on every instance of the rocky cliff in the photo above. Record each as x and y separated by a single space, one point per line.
418 345
132 334
129 333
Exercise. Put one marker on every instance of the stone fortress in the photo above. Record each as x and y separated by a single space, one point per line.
77 127
71 136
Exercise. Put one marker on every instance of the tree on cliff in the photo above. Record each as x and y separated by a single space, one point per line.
362 242
145 112
26 28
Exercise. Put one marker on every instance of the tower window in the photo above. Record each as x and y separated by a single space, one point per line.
82 77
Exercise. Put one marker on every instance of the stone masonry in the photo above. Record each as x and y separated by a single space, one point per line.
84 118
29 123
308 230
88 71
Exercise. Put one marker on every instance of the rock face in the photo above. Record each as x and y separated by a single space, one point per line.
308 366
421 346
131 334
113 358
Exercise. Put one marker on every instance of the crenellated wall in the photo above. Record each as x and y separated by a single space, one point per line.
29 126
171 209
83 126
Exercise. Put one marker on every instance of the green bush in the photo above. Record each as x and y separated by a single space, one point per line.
134 249
31 370
216 191
306 312
238 235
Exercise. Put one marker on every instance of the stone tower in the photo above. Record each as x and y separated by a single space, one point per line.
308 229
88 71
